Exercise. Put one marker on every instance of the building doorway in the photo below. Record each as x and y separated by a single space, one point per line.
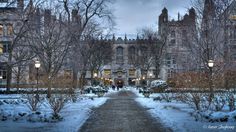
119 83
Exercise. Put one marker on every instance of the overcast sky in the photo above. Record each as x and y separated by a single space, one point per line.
135 14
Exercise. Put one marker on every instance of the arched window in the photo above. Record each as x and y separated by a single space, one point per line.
119 54
131 53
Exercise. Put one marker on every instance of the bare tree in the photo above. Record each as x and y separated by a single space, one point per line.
18 32
156 43
50 44
85 11
101 55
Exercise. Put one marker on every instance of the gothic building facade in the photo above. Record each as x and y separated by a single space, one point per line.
179 37
125 66
8 21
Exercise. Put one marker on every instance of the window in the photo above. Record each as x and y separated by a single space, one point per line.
1 48
107 72
233 57
3 73
173 60
119 55
131 54
9 29
6 46
172 42
131 72
184 38
144 50
1 29
172 34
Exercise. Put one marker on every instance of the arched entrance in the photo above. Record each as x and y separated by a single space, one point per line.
119 83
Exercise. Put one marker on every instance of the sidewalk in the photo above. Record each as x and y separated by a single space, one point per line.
122 114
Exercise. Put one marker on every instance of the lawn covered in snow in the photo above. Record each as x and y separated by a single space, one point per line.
16 115
179 116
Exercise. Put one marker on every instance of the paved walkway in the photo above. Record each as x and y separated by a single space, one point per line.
121 113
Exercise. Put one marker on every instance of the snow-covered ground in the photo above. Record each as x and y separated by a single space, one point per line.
177 115
15 114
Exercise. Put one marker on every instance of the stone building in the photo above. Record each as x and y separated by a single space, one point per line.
9 16
179 38
124 68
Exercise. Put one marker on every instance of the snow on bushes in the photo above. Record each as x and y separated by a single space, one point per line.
218 110
211 116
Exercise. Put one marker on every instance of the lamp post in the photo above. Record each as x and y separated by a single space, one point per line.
95 75
150 76
37 66
210 65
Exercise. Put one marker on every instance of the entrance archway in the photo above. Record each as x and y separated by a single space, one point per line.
119 83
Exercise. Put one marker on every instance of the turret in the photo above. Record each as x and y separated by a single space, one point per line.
163 20
192 15
209 9
47 17
76 17
126 40
113 38
74 13
20 4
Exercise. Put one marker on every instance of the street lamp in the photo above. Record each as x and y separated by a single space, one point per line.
143 77
37 66
210 65
150 75
95 74
150 78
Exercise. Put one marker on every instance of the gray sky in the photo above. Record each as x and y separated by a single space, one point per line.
135 14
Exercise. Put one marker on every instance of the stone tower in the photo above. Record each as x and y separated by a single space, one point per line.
20 4
163 20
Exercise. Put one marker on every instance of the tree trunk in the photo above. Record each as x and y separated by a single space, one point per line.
9 72
82 80
18 79
49 83
92 79
74 79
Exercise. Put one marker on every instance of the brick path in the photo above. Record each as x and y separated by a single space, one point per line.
121 113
